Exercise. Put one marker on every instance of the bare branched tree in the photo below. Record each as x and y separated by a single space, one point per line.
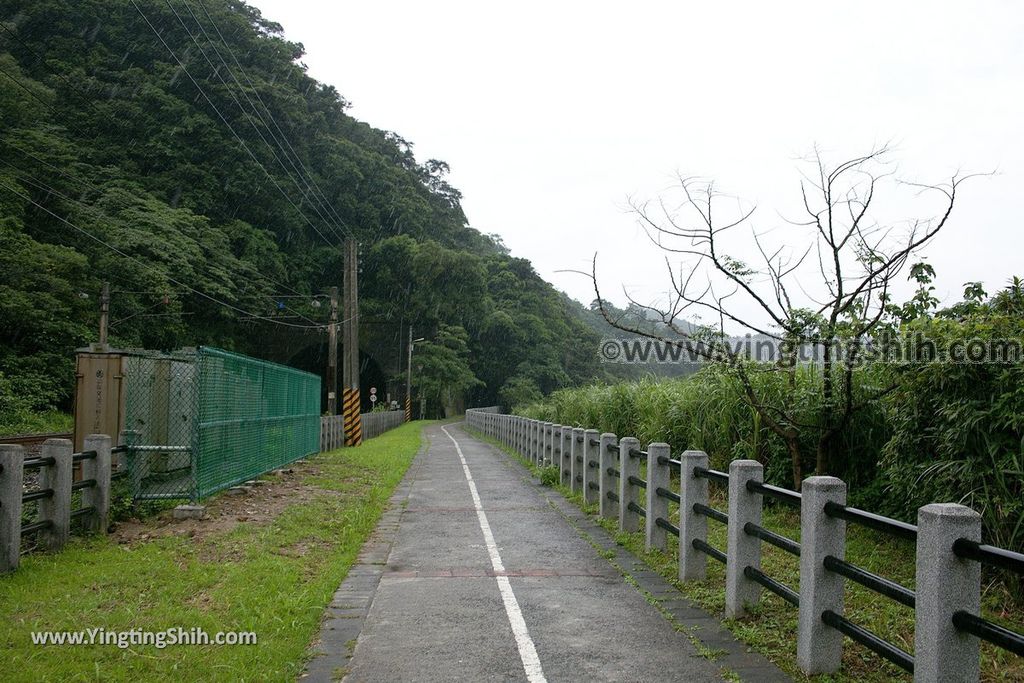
854 259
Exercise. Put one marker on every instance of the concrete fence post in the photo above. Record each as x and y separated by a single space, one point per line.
629 466
556 445
565 466
549 444
657 477
12 470
56 508
591 473
542 443
945 584
819 647
744 550
531 440
576 460
97 468
535 436
692 489
606 458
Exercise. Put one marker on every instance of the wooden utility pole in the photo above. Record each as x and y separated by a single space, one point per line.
332 356
350 365
104 314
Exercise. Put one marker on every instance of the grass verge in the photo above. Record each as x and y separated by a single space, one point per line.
771 627
272 577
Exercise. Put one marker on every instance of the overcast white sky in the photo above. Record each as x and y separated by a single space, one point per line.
552 114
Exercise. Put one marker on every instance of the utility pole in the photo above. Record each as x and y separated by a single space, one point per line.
350 366
408 381
332 356
408 378
104 314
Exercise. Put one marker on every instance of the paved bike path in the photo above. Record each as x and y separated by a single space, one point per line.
483 580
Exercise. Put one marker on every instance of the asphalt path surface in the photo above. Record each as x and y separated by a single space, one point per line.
485 581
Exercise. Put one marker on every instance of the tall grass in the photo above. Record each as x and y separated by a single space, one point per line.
708 411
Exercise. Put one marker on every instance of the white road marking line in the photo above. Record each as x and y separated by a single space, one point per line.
527 650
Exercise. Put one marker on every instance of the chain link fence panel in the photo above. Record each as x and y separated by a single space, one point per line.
201 421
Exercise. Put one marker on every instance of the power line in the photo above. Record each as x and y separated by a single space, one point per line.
216 72
256 92
100 191
48 188
37 97
151 267
222 118
311 185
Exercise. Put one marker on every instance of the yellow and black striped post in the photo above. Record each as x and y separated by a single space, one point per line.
353 422
408 409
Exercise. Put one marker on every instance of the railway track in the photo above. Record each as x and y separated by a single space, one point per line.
32 442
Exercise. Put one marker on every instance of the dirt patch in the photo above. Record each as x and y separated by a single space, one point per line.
260 504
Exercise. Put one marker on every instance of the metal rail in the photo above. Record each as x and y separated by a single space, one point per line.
637 453
38 494
613 472
83 484
861 635
777 587
667 526
767 490
772 538
710 513
987 554
84 455
83 511
36 526
593 486
613 447
33 439
633 507
36 463
711 475
671 462
613 496
709 550
637 481
872 521
665 493
986 630
879 584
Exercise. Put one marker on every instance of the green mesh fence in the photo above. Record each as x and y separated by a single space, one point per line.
202 421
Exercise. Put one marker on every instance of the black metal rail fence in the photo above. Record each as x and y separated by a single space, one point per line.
52 491
946 602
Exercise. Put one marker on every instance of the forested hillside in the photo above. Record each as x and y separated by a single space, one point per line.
180 151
